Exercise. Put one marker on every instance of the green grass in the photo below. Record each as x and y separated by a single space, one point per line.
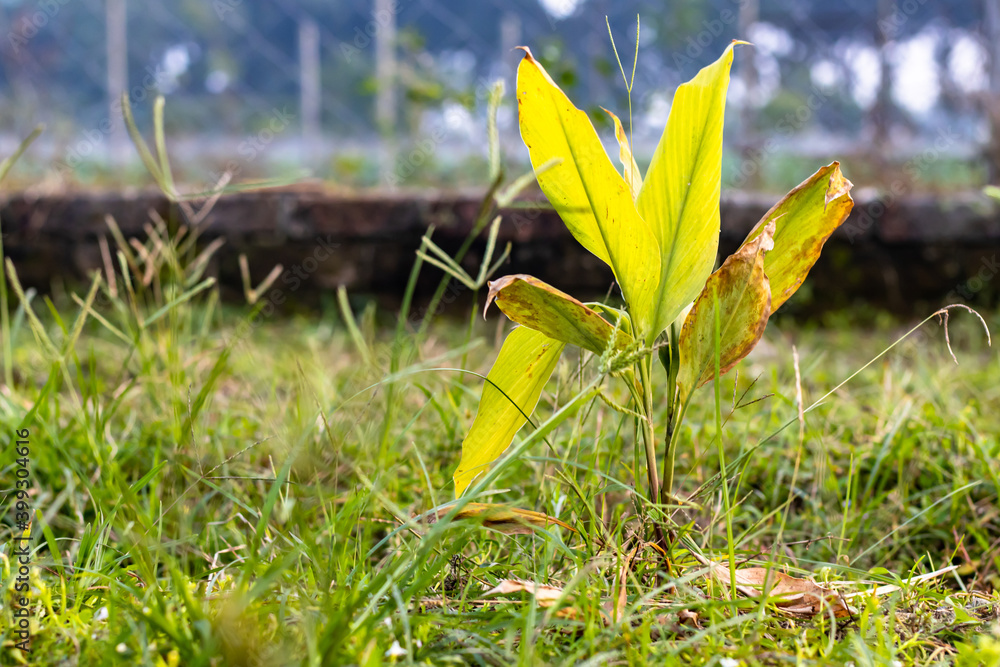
212 493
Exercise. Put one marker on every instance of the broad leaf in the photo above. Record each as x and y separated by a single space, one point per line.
585 189
744 300
503 518
679 199
512 388
539 306
804 219
633 178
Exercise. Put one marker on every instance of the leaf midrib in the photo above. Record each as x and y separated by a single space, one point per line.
665 270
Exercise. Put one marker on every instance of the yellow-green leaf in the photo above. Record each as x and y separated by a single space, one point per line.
804 219
585 189
539 306
633 178
744 301
506 519
512 389
679 199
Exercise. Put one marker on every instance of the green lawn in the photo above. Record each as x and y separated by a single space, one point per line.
208 492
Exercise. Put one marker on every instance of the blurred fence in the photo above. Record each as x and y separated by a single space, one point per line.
392 92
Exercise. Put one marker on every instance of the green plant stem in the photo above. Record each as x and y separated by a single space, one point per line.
675 412
727 501
670 455
668 460
633 389
648 436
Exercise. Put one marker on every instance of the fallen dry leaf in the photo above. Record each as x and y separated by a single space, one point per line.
792 596
503 518
689 618
545 595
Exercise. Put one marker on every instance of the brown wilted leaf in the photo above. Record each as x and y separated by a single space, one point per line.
508 520
682 623
741 291
805 218
689 618
545 595
792 596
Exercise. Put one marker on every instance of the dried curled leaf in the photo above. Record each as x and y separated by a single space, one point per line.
689 618
545 595
741 291
804 218
633 177
802 598
508 520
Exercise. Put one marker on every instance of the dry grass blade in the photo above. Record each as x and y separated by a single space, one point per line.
892 588
109 267
943 315
616 607
8 162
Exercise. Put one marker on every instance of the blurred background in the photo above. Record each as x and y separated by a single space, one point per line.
374 113
905 92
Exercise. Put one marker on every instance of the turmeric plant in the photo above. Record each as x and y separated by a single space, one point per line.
659 233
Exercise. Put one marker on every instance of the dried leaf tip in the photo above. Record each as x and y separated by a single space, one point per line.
767 238
838 187
494 287
489 298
